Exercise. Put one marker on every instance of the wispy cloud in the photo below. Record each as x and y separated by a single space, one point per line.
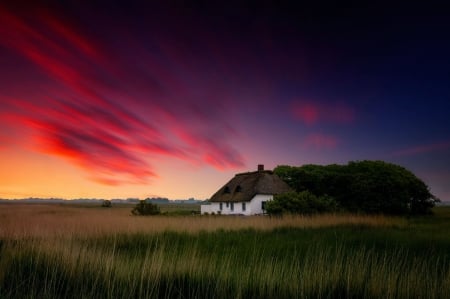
111 116
422 149
320 141
314 112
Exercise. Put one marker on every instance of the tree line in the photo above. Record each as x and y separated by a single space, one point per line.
361 186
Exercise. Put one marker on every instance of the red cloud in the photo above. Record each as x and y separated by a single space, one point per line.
93 151
421 149
320 141
307 112
215 151
97 120
81 43
312 113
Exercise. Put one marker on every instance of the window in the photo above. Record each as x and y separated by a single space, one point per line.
238 188
228 204
263 205
232 206
220 206
226 190
243 206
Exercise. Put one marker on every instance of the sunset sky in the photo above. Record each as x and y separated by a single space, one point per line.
103 100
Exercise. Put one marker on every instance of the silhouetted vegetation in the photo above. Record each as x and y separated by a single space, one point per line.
364 186
145 208
300 203
157 200
106 204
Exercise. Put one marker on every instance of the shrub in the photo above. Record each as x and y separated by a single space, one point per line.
145 208
300 203
106 204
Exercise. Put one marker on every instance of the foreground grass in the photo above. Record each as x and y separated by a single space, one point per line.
234 257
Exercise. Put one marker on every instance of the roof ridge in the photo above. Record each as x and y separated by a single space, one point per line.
253 172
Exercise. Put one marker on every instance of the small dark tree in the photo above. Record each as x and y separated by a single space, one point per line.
106 203
145 208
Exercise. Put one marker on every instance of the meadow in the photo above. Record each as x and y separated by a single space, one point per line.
64 251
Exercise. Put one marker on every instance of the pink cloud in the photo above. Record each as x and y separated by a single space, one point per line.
320 141
311 113
94 152
94 118
307 112
82 44
421 149
216 152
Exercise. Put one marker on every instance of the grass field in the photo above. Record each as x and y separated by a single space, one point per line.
51 251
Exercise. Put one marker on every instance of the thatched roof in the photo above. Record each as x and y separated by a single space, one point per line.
244 186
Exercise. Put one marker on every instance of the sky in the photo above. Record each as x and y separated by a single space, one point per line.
131 99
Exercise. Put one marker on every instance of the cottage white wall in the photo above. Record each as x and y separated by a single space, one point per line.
214 207
227 210
206 209
252 207
255 205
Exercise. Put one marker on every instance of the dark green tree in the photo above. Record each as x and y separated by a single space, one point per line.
363 186
380 187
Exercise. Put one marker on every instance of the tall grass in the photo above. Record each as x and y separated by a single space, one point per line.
19 221
260 257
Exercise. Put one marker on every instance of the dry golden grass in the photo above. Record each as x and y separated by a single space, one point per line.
68 251
39 220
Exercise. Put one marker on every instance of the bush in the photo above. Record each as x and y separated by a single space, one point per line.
363 186
106 204
300 203
144 208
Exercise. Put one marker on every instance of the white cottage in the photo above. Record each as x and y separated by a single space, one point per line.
246 193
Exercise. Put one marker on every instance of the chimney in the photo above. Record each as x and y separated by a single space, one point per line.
260 167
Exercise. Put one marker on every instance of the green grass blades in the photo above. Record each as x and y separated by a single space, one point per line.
340 261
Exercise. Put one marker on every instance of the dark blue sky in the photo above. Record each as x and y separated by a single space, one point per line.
131 93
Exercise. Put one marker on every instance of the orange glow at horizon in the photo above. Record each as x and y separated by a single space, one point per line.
28 174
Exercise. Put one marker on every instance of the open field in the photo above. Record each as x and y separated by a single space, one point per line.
40 221
52 251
